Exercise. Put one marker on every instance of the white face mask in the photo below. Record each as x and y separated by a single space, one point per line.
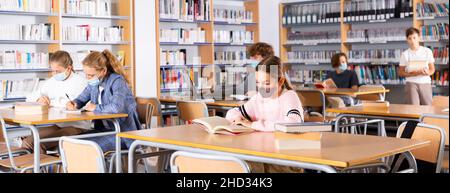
60 77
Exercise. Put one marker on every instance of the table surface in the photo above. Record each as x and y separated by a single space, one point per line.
221 103
337 149
394 110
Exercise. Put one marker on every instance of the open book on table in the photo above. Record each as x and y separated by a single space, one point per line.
328 83
219 125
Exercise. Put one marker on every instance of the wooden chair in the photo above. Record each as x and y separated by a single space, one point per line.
157 112
145 112
314 99
81 156
190 110
21 163
432 153
187 162
440 101
440 121
372 97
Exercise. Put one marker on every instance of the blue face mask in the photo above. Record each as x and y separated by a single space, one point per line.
343 67
253 63
94 81
60 77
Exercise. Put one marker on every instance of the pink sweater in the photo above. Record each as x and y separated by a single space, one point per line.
264 113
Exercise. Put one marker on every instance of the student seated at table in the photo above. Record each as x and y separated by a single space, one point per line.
107 92
342 77
53 93
275 102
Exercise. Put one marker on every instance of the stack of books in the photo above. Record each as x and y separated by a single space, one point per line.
312 13
26 108
14 59
88 7
185 10
93 33
311 57
37 32
183 36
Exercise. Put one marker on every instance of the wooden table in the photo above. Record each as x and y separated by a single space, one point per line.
396 112
216 103
58 116
352 92
337 150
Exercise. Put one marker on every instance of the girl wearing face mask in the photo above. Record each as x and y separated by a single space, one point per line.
53 93
107 92
275 101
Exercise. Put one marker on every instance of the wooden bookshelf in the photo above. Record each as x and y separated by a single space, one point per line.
205 50
345 27
122 14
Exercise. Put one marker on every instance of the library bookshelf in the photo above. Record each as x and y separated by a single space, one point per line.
120 14
200 56
347 46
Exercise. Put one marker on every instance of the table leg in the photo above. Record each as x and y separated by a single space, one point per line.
131 152
118 147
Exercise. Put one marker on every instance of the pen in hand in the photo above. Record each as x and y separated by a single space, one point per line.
71 102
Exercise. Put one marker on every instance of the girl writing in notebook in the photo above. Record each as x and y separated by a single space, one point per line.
417 65
107 92
275 101
64 82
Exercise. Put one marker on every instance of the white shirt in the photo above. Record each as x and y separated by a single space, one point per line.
57 90
421 54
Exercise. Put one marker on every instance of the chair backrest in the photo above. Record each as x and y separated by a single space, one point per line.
440 101
186 162
157 112
190 110
372 97
5 139
313 98
145 112
432 153
440 121
81 156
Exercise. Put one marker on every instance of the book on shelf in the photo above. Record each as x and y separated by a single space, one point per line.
36 32
185 10
183 36
312 13
30 108
377 35
233 37
174 79
368 74
440 54
173 57
373 10
40 6
91 33
14 59
307 76
305 127
375 56
80 55
219 125
435 32
440 78
88 7
313 38
231 57
310 57
432 9
233 16
303 141
19 88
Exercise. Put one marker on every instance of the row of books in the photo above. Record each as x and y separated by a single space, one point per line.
440 78
377 74
375 35
13 59
173 57
313 38
311 57
38 32
434 32
183 36
10 89
93 33
174 79
367 10
185 10
42 6
432 9
88 7
312 13
440 54
306 76
233 37
233 16
231 57
233 76
80 55
171 120
375 56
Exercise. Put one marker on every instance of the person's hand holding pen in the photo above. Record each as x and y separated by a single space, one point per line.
71 106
